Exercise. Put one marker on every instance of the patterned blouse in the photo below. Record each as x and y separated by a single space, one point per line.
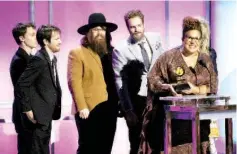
171 68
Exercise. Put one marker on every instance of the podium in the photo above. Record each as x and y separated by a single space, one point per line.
201 107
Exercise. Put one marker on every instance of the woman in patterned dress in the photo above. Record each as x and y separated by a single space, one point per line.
184 64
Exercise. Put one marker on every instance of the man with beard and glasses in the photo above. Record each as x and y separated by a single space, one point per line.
88 87
145 47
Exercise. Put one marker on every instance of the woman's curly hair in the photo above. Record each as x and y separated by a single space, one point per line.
205 40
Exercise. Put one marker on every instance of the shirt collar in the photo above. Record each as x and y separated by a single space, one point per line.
143 40
51 55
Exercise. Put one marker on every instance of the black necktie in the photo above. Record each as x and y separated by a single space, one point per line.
54 70
145 56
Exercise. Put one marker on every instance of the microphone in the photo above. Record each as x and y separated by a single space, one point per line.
203 64
194 72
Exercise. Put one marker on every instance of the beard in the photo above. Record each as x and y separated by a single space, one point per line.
99 46
138 36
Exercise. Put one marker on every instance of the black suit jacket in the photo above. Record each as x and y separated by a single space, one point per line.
108 72
18 65
37 90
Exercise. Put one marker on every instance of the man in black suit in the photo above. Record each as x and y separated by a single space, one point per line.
39 90
25 37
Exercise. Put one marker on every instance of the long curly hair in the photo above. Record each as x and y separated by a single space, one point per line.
205 39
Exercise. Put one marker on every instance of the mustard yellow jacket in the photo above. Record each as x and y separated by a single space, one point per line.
85 78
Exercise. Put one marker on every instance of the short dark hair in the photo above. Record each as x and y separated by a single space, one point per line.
190 23
20 30
45 32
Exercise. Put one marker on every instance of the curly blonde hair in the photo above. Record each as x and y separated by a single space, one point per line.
205 39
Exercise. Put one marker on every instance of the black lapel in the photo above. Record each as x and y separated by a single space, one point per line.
57 81
44 52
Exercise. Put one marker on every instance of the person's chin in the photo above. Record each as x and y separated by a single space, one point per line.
137 38
57 50
32 46
191 51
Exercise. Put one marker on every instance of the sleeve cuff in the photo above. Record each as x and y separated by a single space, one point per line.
26 108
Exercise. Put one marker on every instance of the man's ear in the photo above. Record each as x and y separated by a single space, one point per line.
46 42
22 39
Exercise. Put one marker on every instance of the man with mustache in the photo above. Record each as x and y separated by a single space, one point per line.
145 47
88 87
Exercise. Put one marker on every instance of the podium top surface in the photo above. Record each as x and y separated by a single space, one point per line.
194 97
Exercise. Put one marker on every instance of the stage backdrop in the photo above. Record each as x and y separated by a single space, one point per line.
163 17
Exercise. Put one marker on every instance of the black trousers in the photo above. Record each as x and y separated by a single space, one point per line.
139 104
96 134
40 139
32 138
24 140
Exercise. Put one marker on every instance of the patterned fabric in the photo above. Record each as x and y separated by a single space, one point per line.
187 148
171 68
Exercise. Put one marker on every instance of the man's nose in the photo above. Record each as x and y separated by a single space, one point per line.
136 29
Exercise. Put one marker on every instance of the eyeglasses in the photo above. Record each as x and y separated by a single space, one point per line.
196 39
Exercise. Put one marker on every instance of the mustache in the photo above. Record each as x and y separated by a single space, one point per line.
96 37
137 33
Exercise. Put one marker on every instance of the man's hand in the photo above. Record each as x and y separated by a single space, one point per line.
30 116
84 114
131 118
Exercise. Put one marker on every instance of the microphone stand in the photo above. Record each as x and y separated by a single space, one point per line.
194 72
201 62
